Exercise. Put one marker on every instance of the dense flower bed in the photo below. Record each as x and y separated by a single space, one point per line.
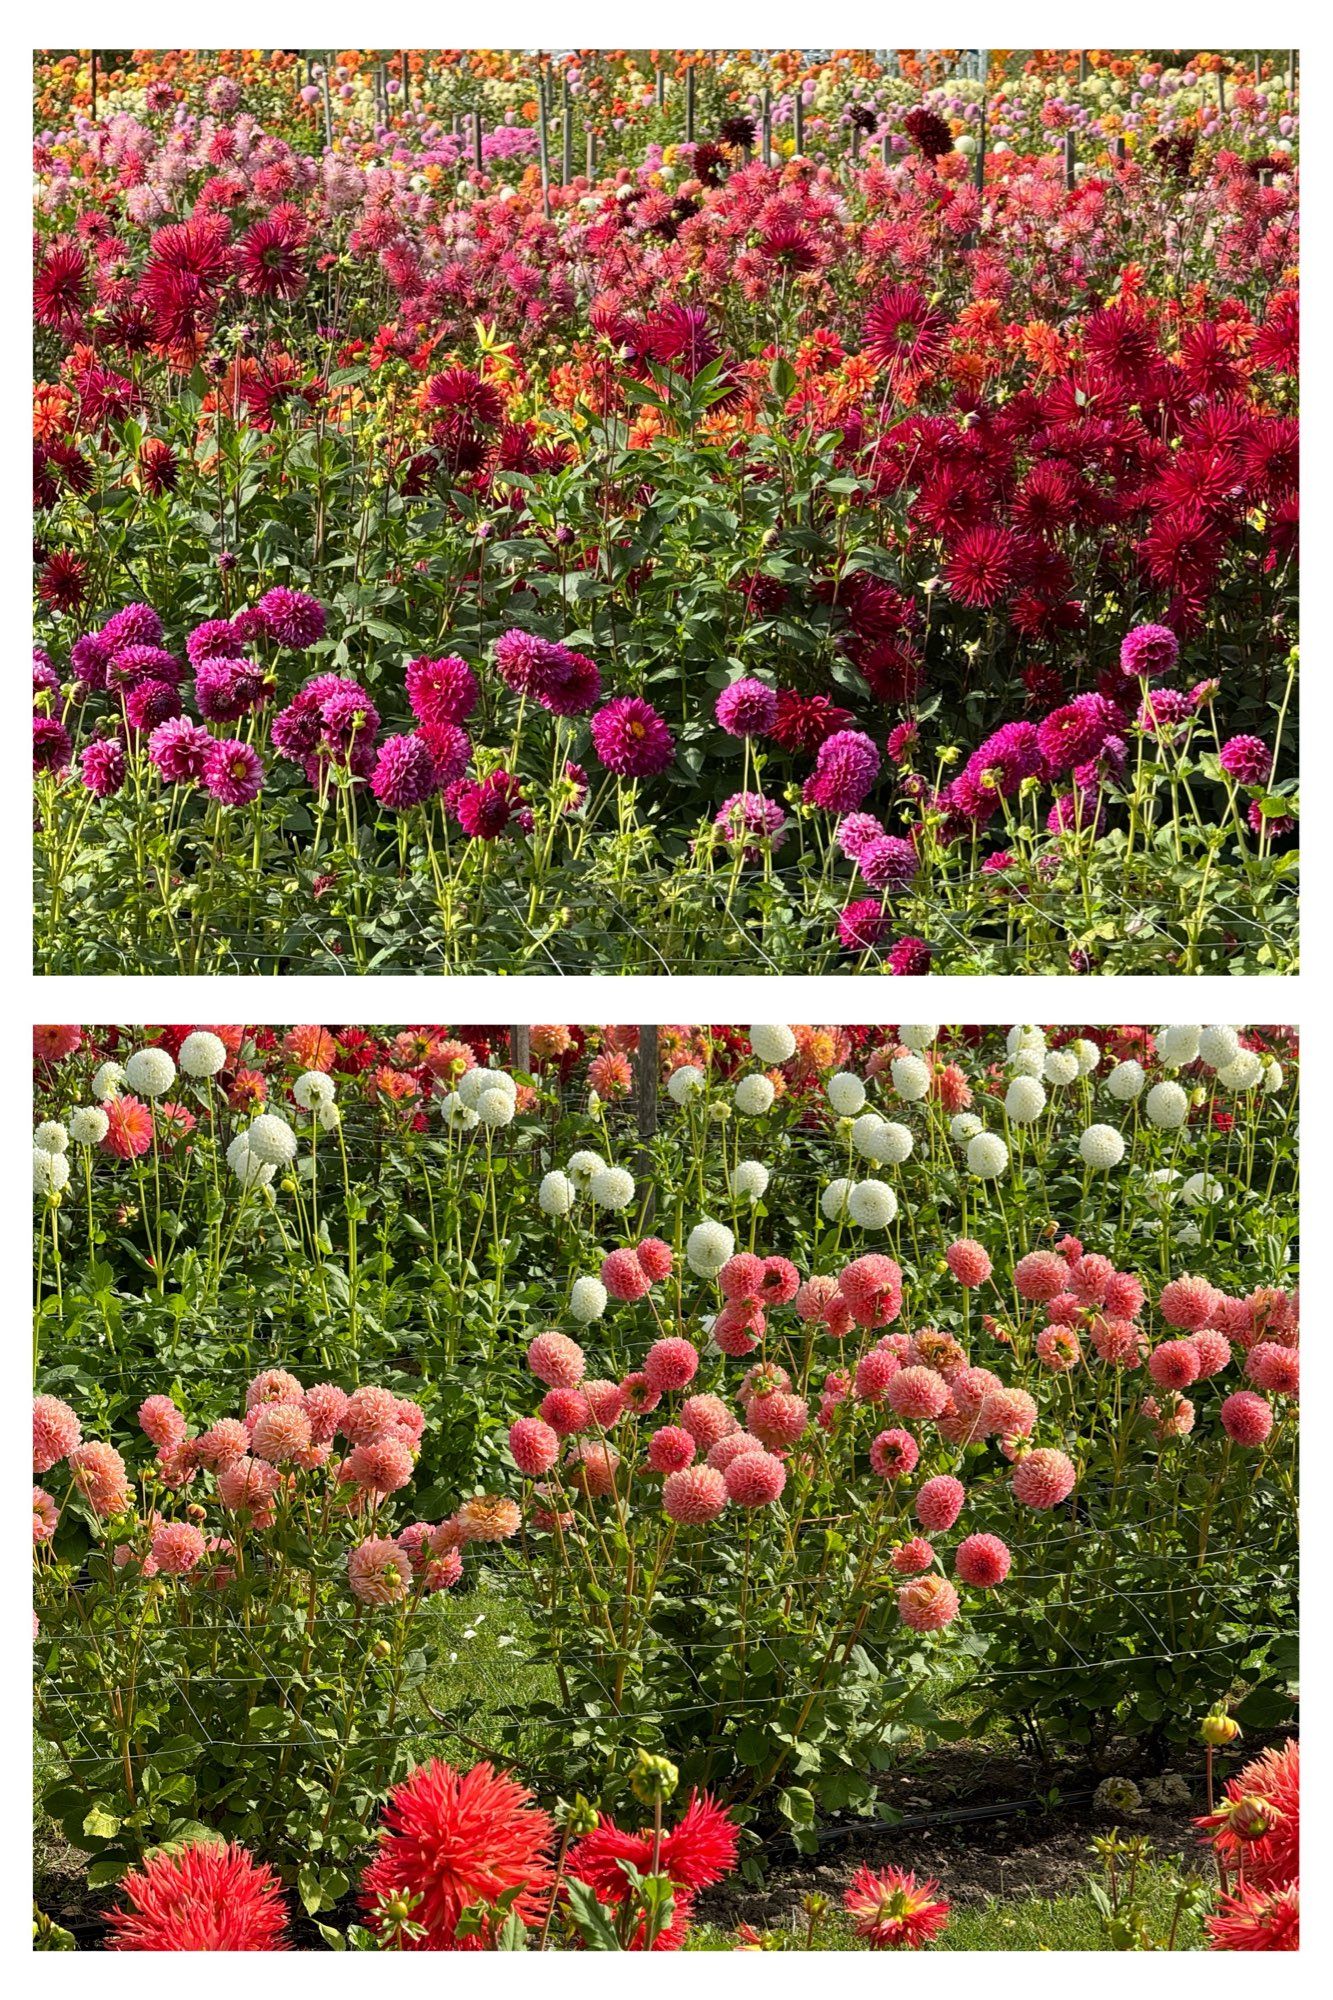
851 1373
881 554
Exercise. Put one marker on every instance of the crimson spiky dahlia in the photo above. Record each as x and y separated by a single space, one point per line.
454 1839
204 1897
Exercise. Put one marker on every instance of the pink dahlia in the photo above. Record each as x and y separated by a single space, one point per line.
912 1558
918 1393
566 1411
846 767
893 1454
371 1414
873 1288
939 1503
178 1547
1274 1368
656 1259
56 1432
624 1276
233 772
755 1479
874 1373
671 1449
1040 1276
1247 1419
968 1262
707 1419
557 1360
779 1418
281 1432
631 739
982 1560
892 1911
378 1572
670 1364
534 1446
928 1604
694 1496
1174 1364
1043 1478
99 1475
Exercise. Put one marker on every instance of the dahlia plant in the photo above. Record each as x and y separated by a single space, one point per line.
230 1633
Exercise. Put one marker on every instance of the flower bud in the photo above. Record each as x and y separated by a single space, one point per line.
1252 1818
1218 1729
653 1779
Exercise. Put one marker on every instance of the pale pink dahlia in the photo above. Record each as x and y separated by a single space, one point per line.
1058 1348
1040 1276
707 1419
755 1479
1043 1478
912 1557
281 1432
371 1413
779 1418
694 1496
918 1393
1119 1342
45 1515
928 1604
557 1360
605 1400
733 1446
178 1547
381 1467
378 1571
160 1421
326 1405
223 1444
99 1475
273 1385
56 1432
1188 1303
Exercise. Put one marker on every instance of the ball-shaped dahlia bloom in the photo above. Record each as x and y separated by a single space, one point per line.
694 1496
1247 1419
939 1503
755 1479
982 1561
1043 1478
968 1262
747 708
928 1604
533 1446
557 1360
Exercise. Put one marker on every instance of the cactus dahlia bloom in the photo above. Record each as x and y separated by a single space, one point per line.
204 1897
892 1911
1257 1920
454 1839
1271 1781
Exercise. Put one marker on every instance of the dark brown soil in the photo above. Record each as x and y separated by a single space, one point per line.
1045 1849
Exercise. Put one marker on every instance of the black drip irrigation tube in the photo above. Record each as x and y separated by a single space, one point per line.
831 1836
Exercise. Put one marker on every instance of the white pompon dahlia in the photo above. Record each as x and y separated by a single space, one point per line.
772 1043
149 1072
754 1096
1101 1147
203 1053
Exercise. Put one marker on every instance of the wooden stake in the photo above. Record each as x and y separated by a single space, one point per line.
1071 159
543 146
328 105
646 1106
567 137
798 114
520 1048
767 129
92 78
689 104
476 139
591 140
